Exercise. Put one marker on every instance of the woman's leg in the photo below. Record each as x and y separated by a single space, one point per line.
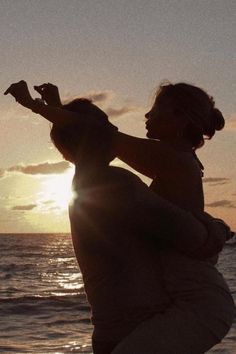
103 347
175 331
196 235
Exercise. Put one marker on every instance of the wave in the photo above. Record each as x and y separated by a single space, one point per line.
231 242
37 298
44 304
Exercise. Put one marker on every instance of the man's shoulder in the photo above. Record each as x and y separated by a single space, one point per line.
113 187
124 175
126 179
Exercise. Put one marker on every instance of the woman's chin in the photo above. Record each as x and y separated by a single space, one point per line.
151 136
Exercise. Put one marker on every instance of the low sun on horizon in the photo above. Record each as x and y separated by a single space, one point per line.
56 190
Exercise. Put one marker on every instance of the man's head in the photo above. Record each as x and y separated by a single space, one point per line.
86 139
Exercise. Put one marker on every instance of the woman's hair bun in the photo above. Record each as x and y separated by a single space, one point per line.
216 122
217 119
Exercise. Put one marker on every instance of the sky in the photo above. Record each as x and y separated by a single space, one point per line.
116 52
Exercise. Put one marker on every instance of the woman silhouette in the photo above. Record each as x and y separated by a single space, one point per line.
181 118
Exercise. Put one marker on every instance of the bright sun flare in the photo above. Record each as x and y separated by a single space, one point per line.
56 190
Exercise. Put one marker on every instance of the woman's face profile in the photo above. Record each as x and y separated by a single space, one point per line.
161 122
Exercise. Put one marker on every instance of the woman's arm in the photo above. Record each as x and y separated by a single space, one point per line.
146 156
54 114
141 154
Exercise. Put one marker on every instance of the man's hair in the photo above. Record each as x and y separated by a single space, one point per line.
89 133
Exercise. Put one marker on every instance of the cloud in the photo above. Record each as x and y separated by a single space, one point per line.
2 173
55 207
117 112
100 96
221 203
41 168
96 96
24 207
231 123
103 98
50 201
216 180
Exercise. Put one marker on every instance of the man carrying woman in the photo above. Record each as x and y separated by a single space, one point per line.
133 246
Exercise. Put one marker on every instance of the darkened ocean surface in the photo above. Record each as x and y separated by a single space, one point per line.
43 307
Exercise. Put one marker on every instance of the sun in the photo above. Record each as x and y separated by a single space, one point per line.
56 190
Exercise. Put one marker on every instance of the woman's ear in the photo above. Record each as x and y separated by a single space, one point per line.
181 118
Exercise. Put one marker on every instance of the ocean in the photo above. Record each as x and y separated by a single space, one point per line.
43 307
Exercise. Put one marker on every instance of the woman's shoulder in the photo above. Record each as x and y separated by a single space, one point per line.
177 160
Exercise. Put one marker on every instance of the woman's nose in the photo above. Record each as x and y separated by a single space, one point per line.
147 115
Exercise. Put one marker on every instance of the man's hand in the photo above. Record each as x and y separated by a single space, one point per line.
49 93
20 92
218 233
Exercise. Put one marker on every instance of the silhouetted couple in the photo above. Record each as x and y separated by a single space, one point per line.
147 255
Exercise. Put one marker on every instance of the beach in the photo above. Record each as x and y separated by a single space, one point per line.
42 301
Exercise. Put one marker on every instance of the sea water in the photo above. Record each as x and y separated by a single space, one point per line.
43 307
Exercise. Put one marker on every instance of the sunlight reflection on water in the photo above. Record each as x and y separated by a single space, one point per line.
44 307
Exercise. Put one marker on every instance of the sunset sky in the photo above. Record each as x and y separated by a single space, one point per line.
116 52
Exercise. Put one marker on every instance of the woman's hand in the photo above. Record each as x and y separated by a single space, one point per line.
49 93
20 92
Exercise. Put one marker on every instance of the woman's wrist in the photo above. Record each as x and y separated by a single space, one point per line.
36 105
55 103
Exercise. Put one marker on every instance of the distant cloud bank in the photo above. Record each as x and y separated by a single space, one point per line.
104 99
231 123
96 96
100 96
46 206
24 207
222 203
214 181
117 112
45 168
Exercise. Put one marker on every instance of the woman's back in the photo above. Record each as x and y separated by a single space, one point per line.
190 283
180 182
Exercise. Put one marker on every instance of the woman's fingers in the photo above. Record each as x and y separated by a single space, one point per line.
40 88
8 90
19 90
44 88
49 93
13 88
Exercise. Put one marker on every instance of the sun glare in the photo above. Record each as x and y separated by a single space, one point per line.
56 191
